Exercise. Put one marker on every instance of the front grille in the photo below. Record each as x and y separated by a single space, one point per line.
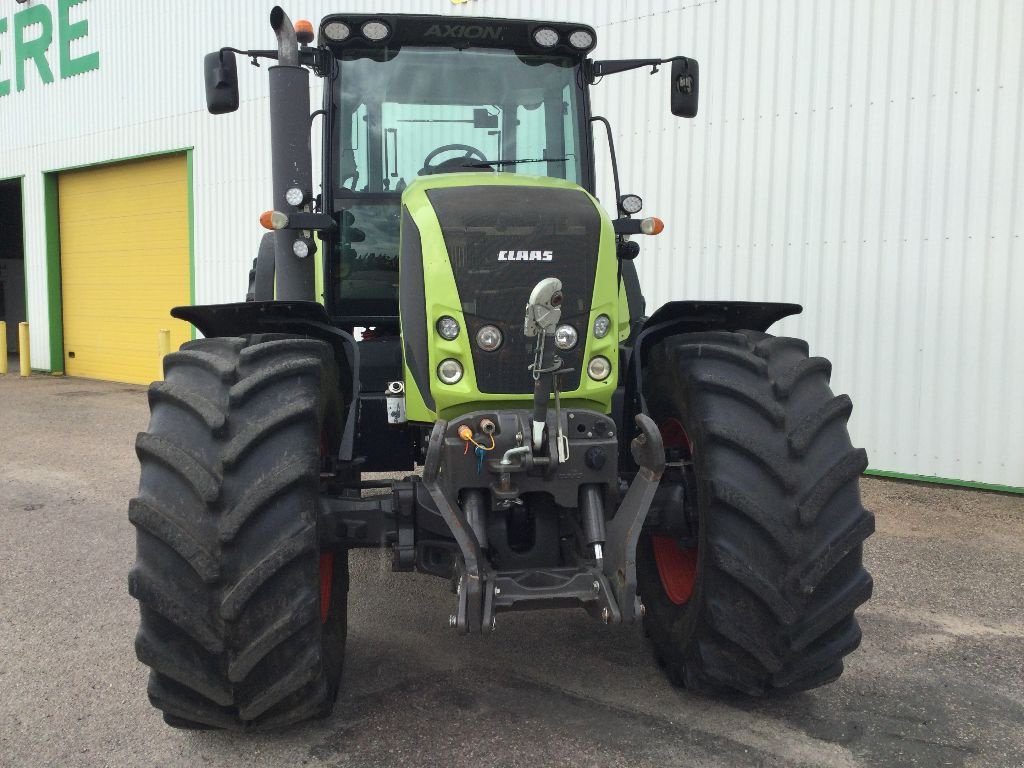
481 222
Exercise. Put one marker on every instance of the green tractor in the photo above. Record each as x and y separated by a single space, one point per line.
481 318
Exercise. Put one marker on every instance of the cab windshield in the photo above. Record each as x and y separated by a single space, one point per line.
393 115
423 111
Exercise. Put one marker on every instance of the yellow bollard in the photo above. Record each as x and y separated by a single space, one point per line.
23 349
3 347
164 345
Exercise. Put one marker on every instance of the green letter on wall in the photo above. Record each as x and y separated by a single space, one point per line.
70 67
5 85
32 49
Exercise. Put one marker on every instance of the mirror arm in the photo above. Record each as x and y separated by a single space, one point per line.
253 55
614 66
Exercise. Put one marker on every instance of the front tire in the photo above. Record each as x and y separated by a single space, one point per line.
766 600
243 618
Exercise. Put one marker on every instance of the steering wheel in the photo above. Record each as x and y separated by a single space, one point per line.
454 163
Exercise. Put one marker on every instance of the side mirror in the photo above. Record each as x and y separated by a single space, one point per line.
685 82
221 82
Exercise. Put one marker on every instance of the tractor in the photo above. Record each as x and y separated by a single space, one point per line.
454 309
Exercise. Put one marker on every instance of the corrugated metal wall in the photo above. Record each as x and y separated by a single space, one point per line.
860 157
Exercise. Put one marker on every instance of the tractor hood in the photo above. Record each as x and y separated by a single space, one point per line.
473 246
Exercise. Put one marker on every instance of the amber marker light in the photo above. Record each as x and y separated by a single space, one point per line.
652 225
273 220
304 31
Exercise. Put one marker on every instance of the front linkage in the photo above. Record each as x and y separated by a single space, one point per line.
571 455
606 588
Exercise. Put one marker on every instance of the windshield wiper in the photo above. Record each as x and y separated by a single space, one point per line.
486 163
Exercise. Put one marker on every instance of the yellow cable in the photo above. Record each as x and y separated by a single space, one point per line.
474 442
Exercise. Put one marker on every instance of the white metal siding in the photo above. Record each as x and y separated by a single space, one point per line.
861 158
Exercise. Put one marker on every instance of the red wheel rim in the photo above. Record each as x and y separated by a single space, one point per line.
673 435
677 568
326 581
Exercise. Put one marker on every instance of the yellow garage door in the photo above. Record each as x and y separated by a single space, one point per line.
124 262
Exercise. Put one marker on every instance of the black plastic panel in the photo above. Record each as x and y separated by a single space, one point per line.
558 229
413 303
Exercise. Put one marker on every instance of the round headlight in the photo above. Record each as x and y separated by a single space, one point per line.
566 337
295 196
599 368
545 37
300 248
581 38
488 338
631 203
450 371
336 31
375 30
601 325
448 327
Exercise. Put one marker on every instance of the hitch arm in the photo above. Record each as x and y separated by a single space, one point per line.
623 530
471 608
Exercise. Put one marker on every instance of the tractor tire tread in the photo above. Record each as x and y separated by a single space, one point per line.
227 566
780 570
160 522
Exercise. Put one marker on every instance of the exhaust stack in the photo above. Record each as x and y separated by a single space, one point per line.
292 162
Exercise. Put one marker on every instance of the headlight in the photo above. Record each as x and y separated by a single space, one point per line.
450 371
581 38
599 368
488 338
545 37
566 337
295 196
601 325
448 327
375 30
300 248
336 31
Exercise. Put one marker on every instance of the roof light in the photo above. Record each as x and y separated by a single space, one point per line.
304 31
274 220
651 225
375 30
545 37
581 38
337 31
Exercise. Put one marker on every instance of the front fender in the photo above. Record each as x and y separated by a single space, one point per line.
677 317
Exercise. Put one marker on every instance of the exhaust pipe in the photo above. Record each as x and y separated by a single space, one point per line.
287 43
292 161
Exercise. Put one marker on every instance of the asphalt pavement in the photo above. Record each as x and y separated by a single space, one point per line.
938 680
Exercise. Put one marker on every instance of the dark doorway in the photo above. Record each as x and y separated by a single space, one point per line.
12 261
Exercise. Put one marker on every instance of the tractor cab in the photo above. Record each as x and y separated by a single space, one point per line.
412 97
